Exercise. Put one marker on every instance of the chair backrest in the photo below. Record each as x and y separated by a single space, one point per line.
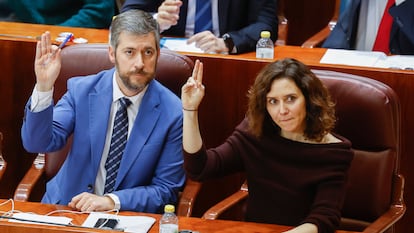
368 113
173 70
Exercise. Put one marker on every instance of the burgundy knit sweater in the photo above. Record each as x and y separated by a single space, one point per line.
290 182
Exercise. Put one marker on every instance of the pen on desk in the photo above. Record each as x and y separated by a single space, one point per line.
68 37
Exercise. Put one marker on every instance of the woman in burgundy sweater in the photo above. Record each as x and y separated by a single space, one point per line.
296 167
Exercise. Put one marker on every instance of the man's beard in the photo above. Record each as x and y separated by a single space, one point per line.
131 86
126 81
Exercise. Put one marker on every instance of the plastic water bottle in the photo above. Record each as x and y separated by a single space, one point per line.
169 221
265 46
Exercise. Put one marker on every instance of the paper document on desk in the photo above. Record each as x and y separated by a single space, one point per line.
179 44
39 219
367 59
138 224
404 62
351 57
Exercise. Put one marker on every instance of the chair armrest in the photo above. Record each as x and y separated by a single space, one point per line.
282 31
188 198
3 165
387 220
394 213
219 208
317 39
30 179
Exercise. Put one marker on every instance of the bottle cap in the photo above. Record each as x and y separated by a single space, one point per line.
265 34
169 208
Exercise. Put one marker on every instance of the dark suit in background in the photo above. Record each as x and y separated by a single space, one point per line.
343 36
243 20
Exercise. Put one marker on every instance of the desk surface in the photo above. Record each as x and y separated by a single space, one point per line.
195 224
29 32
310 56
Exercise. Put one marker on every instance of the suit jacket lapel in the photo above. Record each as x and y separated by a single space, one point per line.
100 104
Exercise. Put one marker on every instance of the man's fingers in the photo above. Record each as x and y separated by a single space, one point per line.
38 48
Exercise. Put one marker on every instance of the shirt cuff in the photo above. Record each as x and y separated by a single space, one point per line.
114 198
40 100
234 50
398 2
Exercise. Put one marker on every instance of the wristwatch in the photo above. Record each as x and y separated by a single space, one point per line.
228 41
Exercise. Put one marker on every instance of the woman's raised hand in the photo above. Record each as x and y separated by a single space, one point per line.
192 91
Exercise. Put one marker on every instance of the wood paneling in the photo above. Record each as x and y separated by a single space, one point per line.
15 85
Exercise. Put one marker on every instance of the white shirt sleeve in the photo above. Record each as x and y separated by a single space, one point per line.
41 100
398 2
114 198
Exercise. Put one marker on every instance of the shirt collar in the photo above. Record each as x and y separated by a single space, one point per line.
117 93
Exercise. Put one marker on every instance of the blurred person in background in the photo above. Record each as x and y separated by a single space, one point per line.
234 25
378 25
70 13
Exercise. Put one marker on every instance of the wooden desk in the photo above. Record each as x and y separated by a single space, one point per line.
195 224
227 79
29 32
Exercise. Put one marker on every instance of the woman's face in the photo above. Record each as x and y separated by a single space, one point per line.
287 107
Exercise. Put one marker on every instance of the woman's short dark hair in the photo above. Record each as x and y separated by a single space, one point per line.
320 110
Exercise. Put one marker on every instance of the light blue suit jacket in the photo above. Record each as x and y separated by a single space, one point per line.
151 172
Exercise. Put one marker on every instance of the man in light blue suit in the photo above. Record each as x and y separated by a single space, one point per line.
150 173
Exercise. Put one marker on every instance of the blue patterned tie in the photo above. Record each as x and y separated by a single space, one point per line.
203 19
118 142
